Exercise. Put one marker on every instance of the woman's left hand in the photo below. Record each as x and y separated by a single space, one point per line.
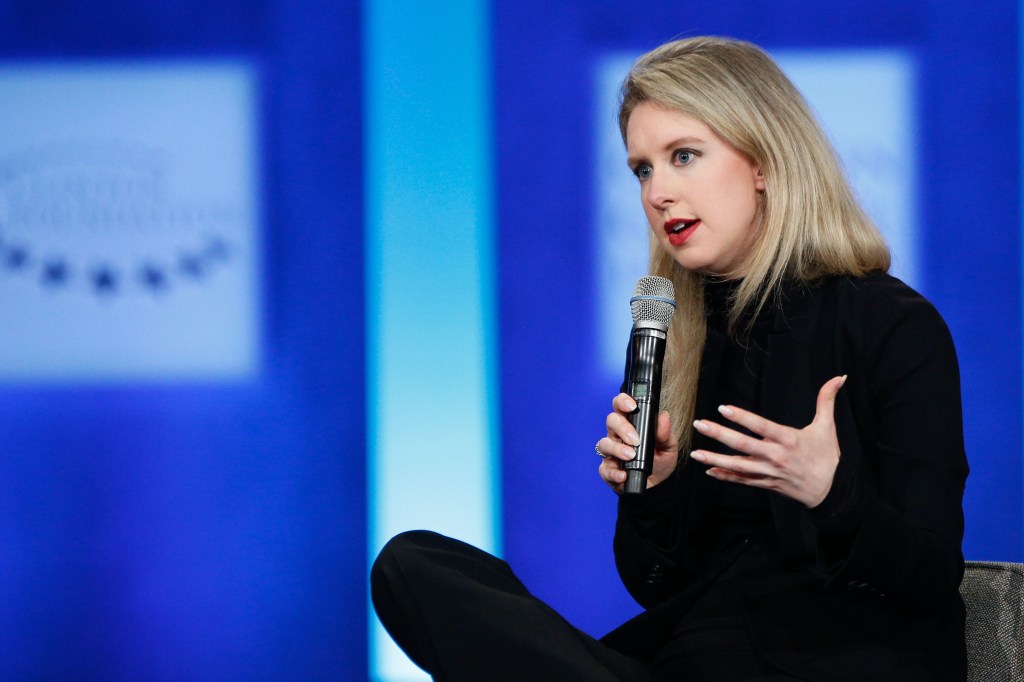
799 463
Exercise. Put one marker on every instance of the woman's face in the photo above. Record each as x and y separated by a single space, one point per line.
700 194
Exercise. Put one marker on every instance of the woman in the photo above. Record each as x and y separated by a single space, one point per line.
803 520
849 567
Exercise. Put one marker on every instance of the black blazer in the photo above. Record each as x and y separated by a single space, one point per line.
870 583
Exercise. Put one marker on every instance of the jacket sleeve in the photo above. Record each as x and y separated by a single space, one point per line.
892 524
646 537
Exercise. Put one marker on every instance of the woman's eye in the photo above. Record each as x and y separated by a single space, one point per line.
642 172
684 156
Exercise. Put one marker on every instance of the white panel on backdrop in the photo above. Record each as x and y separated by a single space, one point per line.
865 101
128 222
621 225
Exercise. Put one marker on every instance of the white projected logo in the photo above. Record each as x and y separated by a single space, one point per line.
99 217
865 101
128 230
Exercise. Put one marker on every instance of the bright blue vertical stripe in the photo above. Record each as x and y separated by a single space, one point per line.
431 353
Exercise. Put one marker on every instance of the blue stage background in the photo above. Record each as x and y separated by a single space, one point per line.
215 528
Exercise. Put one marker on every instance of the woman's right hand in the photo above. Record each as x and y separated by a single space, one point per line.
620 445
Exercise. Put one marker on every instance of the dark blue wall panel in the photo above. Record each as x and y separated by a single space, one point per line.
207 532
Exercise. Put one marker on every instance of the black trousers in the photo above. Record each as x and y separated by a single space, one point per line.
462 615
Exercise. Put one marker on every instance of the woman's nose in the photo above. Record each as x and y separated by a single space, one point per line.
661 191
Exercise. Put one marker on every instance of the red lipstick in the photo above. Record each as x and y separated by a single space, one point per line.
679 230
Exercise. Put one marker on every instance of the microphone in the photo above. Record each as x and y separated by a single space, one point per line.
652 304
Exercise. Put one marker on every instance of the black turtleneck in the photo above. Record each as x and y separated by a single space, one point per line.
731 509
731 514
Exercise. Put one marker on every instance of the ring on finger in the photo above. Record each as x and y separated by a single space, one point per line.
597 449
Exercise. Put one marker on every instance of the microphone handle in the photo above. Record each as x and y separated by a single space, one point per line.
647 353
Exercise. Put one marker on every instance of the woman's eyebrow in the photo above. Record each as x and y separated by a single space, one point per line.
670 146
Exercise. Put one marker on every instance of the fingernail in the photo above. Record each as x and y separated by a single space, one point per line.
697 456
629 452
843 381
727 411
634 438
631 404
700 426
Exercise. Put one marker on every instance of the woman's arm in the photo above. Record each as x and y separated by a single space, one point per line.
647 525
893 523
890 519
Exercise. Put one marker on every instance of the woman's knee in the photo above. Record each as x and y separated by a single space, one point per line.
409 544
403 553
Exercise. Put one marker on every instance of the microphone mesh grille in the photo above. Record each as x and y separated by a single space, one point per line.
653 300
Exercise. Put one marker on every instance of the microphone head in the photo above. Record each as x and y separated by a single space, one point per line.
654 300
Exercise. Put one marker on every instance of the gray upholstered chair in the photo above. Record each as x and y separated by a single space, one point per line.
994 595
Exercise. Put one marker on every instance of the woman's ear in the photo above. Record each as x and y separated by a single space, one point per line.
759 183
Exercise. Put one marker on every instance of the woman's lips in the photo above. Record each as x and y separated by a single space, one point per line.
679 231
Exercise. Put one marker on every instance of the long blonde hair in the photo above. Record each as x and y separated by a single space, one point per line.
809 223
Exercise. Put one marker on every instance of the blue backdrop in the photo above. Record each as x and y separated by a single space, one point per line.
206 529
215 528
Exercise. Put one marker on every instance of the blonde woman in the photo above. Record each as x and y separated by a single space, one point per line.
804 519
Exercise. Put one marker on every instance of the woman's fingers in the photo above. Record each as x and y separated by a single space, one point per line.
747 466
826 406
620 427
757 481
624 403
734 439
769 431
618 421
612 474
620 445
614 449
754 423
799 463
664 437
